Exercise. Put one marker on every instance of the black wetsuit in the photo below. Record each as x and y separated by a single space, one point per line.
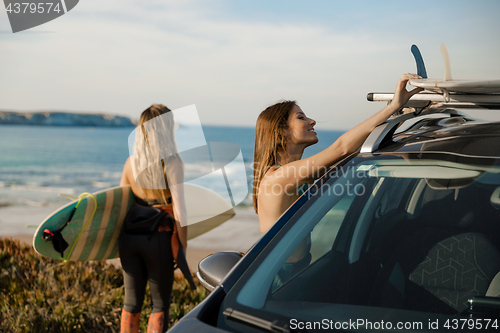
147 258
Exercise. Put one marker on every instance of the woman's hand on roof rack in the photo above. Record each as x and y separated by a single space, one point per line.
351 140
401 95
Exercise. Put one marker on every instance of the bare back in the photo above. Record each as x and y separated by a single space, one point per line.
276 195
128 179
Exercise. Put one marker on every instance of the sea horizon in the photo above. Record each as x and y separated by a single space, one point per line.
39 162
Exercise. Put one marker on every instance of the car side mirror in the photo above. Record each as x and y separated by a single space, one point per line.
213 269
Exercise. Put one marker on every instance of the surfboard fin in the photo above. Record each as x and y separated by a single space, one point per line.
446 63
447 70
67 196
419 61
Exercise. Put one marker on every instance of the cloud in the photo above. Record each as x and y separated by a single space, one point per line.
122 56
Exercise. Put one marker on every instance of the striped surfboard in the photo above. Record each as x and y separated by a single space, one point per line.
99 238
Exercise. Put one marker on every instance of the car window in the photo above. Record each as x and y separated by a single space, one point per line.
315 244
329 225
416 234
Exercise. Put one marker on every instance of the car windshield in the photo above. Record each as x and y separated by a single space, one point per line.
390 236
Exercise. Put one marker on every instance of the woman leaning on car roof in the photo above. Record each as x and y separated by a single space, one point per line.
282 133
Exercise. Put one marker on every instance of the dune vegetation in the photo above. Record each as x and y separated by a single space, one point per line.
38 294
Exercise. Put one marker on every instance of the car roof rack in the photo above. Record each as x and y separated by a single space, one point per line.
486 101
385 131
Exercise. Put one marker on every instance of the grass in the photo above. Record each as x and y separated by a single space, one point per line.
39 294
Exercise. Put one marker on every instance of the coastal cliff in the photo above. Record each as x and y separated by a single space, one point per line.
63 119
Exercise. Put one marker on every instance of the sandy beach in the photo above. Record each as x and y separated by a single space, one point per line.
237 234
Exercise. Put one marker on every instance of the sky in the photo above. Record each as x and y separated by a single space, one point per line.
232 59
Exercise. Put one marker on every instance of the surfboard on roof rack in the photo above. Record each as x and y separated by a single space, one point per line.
447 85
454 93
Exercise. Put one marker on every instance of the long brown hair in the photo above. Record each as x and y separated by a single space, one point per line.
160 136
270 141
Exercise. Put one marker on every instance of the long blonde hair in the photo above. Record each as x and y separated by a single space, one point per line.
154 144
270 141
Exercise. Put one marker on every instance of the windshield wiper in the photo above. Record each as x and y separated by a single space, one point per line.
271 326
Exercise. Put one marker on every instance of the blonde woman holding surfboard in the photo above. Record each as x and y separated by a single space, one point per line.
149 246
282 133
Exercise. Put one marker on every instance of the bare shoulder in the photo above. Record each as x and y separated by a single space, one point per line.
273 175
270 179
127 173
128 164
127 169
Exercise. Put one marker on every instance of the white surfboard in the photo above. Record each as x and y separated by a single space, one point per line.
206 209
472 87
447 84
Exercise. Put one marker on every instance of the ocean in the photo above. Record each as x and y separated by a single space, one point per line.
39 162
